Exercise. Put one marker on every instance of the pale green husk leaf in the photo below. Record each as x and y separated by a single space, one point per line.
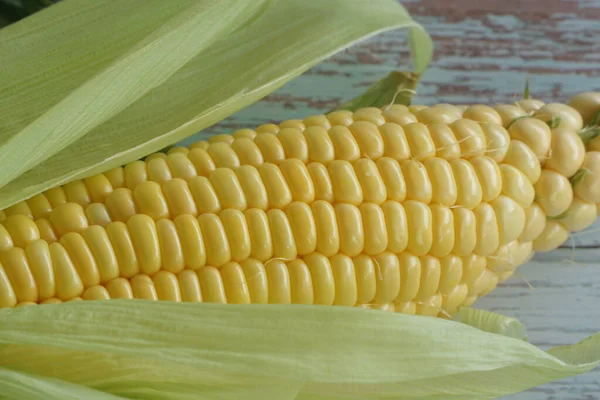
135 349
90 85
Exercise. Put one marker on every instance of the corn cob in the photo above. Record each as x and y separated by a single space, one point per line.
417 210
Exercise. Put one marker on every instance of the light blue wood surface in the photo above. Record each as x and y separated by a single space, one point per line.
484 51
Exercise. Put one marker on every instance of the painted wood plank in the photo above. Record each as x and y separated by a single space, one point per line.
484 52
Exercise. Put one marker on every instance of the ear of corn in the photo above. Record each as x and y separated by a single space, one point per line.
409 209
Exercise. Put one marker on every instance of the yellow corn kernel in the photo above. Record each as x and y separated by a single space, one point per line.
442 223
396 145
270 147
535 221
121 205
119 288
77 192
68 217
221 138
435 115
6 241
223 155
373 222
170 246
371 182
202 162
497 139
96 293
218 252
587 105
317 120
322 277
320 145
278 192
238 235
261 242
370 114
345 145
420 142
97 214
446 145
135 173
21 208
82 258
469 192
303 227
420 227
122 244
99 243
511 218
99 187
398 116
228 189
489 176
393 179
430 307
253 187
482 113
534 133
567 153
18 272
351 230
298 179
418 183
588 188
553 235
68 282
444 189
389 277
294 144
56 196
40 264
39 206
340 117
553 192
346 187
451 270
488 236
453 300
256 280
567 117
366 278
180 164
509 113
346 291
530 105
301 284
211 284
321 181
397 226
290 123
471 138
179 197
21 229
150 200
247 151
411 274
520 156
278 279
368 138
189 286
579 215
465 231
158 170
516 185
143 287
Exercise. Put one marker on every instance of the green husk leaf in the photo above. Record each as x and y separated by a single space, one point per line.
138 349
526 92
554 122
396 88
492 322
88 86
578 176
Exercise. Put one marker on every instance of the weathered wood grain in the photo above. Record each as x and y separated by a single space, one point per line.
485 49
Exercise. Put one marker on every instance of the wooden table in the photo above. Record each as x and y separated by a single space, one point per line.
484 51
